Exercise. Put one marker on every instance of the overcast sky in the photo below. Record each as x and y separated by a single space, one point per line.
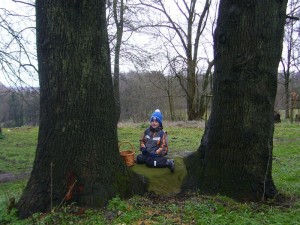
140 41
29 11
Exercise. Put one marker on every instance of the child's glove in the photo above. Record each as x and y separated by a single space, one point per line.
158 151
144 150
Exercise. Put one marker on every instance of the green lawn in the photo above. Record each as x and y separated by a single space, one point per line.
17 151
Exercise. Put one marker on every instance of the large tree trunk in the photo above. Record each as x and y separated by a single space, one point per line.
235 155
77 156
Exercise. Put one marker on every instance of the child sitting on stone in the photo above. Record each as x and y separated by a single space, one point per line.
153 144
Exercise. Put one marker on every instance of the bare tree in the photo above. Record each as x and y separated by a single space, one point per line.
116 11
122 24
290 57
183 36
17 45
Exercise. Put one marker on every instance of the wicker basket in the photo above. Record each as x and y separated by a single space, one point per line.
127 155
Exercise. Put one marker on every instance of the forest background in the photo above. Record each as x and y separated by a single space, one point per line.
152 70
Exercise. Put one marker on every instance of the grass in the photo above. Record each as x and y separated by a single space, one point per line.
286 169
181 138
17 150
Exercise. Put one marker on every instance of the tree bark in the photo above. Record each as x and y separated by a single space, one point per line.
77 157
235 155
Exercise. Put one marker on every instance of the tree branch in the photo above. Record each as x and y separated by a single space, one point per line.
292 17
26 3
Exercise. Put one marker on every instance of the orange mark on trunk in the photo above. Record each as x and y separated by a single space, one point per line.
73 188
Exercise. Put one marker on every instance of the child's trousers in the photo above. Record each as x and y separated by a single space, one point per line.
159 161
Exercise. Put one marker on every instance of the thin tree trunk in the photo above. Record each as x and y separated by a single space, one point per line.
119 25
171 104
287 74
235 155
192 101
287 99
117 81
77 156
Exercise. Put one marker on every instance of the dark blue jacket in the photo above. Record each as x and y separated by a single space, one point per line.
155 142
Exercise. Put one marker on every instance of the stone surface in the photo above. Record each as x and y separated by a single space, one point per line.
7 176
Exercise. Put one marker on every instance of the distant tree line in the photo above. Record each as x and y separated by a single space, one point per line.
19 108
294 86
140 94
125 19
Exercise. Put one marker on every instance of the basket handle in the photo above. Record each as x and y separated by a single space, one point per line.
127 142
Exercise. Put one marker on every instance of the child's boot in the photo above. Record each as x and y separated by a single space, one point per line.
170 163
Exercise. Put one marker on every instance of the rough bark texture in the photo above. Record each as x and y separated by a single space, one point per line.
77 156
235 155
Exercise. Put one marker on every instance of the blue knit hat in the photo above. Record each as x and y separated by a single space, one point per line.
156 115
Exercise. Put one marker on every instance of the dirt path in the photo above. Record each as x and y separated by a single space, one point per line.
7 176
